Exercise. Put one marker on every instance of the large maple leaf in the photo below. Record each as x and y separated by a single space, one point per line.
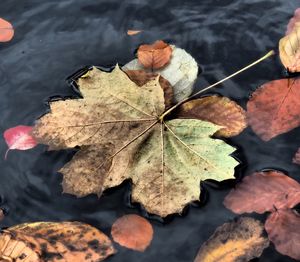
121 134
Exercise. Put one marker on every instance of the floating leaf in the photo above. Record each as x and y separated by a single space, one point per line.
133 32
218 110
154 56
117 126
132 231
296 158
141 77
274 108
239 240
181 72
289 49
293 21
20 138
263 191
6 31
283 227
51 241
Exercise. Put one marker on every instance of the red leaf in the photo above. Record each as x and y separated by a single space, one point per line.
132 231
20 138
6 31
283 229
154 56
295 19
264 191
274 108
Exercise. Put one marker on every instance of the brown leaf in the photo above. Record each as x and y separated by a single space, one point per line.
274 108
116 125
296 158
283 227
132 231
218 110
141 78
133 32
238 241
54 241
289 49
6 31
293 21
155 55
263 191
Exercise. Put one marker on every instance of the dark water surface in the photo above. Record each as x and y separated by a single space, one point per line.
55 38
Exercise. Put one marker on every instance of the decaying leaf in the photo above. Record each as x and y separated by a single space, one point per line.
237 241
154 56
181 72
293 21
19 137
133 32
274 108
53 241
219 110
296 158
117 126
283 227
140 77
132 231
289 49
6 31
263 191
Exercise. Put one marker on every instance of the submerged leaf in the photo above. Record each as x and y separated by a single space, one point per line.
293 21
283 227
54 241
133 32
181 72
6 31
263 191
154 56
289 49
237 241
117 127
274 108
132 231
296 158
219 110
19 137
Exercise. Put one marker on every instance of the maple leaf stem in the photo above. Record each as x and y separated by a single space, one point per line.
217 83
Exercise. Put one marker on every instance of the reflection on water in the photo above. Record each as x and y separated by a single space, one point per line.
55 38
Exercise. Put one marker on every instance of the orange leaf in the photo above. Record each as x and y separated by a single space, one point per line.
6 31
51 241
274 108
283 227
140 77
132 231
155 55
239 240
218 110
293 21
264 191
133 32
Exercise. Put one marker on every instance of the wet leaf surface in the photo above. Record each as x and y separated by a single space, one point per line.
240 240
20 138
154 56
132 231
117 123
283 227
274 108
54 241
6 31
219 110
263 191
